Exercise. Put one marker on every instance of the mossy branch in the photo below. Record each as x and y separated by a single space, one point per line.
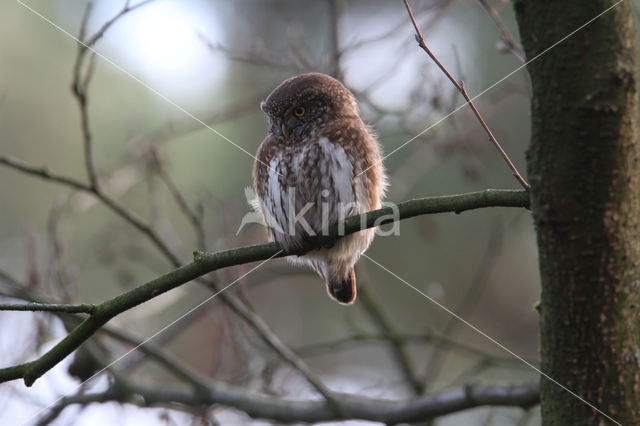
204 263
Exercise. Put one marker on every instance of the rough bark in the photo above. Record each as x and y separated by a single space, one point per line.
584 171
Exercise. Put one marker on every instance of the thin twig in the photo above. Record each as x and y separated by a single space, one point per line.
43 172
127 8
504 34
79 86
194 218
399 348
128 216
463 91
470 298
80 82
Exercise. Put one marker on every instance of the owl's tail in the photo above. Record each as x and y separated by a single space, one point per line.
343 289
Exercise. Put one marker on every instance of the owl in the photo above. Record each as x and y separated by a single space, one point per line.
318 164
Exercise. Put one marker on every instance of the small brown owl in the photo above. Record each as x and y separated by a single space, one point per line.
318 164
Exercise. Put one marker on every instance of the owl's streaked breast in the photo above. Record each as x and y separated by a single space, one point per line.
316 182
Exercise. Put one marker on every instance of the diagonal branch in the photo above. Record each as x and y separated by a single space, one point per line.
504 34
43 173
463 91
204 263
131 218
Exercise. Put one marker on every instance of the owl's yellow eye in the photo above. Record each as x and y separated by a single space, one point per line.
299 111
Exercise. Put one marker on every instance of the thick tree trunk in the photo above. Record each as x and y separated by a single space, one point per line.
583 166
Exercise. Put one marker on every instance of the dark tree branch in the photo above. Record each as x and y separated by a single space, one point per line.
288 411
463 91
48 307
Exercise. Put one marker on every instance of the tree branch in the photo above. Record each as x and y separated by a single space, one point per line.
112 204
277 409
48 307
504 34
204 263
463 91
261 328
43 173
398 346
428 337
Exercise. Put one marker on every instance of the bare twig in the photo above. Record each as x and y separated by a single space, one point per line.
399 349
504 34
429 337
438 6
125 9
81 82
43 173
469 300
194 218
79 87
175 128
252 58
128 216
463 91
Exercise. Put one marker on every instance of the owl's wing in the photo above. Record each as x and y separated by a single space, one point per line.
267 187
329 183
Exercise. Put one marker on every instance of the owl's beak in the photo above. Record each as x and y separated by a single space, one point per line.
285 130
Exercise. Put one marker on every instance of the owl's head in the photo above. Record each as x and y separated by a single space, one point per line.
302 103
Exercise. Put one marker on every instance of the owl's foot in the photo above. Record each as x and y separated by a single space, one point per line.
315 240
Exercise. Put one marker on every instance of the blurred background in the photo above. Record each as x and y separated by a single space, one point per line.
173 65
